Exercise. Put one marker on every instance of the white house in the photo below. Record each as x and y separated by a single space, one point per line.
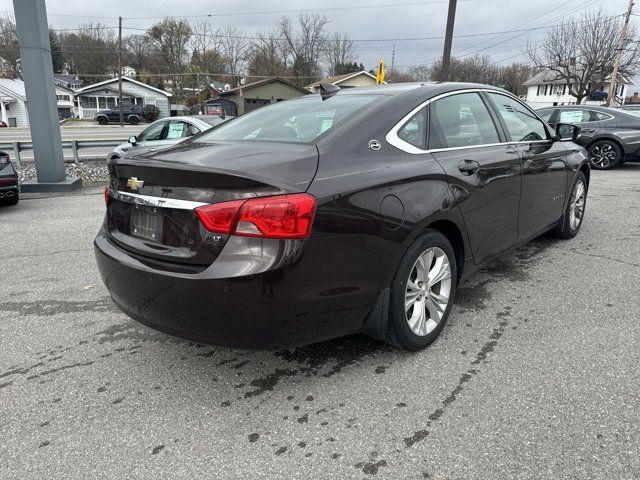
66 104
104 95
546 90
13 103
64 80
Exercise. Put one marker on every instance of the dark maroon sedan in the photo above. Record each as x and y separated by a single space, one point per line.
9 185
360 210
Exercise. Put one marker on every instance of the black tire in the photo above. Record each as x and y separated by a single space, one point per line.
400 333
133 121
604 155
567 228
103 120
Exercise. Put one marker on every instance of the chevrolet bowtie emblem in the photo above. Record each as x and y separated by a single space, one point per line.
134 184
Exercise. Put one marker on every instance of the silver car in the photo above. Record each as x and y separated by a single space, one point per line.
164 133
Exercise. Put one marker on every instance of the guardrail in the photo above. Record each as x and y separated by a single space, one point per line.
74 145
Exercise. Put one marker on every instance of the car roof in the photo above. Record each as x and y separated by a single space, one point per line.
430 88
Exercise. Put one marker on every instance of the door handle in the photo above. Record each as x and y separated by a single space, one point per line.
468 167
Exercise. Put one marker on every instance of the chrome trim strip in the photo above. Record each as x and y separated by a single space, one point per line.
393 139
150 201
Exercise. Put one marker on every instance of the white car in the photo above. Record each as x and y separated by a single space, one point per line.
164 133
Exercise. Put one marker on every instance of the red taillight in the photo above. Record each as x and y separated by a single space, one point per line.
107 195
219 217
284 216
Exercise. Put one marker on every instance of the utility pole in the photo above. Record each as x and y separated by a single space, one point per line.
448 39
393 62
120 70
616 63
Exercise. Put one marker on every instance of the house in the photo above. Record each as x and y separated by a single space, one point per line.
263 92
104 95
13 103
545 89
355 79
66 104
71 82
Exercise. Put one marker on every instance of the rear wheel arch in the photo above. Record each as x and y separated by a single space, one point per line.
586 171
455 237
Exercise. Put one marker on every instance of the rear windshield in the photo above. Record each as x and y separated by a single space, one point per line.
299 121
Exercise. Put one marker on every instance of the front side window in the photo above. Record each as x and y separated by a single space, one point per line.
153 132
545 114
521 123
177 129
414 131
298 121
461 120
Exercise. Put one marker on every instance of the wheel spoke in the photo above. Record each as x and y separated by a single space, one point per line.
435 309
440 271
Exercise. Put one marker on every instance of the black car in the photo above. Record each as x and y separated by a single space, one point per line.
132 115
331 214
9 186
611 136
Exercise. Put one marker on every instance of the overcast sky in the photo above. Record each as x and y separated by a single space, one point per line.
363 21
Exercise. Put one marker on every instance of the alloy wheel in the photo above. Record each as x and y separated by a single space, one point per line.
576 208
428 291
603 155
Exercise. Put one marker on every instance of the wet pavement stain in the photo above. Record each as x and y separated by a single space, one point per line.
371 468
48 308
157 449
253 437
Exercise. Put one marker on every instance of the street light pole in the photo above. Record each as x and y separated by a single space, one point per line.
448 39
616 63
120 70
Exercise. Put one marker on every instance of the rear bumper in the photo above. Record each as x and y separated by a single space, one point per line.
291 299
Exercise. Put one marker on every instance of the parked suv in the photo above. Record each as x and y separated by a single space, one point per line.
133 115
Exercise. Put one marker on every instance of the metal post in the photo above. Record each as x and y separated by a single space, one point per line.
74 149
616 63
448 40
35 55
16 154
120 70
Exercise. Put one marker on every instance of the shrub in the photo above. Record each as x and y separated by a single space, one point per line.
151 113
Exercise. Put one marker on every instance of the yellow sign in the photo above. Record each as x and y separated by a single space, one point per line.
380 74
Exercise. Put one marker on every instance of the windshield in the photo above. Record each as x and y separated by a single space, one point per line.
300 121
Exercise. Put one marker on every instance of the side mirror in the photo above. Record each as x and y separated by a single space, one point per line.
133 140
567 132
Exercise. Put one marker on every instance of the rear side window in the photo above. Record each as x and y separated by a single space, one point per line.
461 120
414 131
521 123
575 116
604 116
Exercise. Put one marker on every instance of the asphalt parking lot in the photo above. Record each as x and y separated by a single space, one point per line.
535 376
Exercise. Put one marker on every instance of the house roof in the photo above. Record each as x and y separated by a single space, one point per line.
546 77
13 88
63 77
124 79
337 79
265 81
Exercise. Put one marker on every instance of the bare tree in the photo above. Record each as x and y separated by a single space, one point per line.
90 51
170 38
581 52
234 46
204 36
479 68
137 50
267 56
338 50
9 50
420 73
305 45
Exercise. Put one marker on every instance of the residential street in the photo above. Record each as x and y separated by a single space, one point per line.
534 377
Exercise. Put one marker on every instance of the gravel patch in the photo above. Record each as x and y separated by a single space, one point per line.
88 170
